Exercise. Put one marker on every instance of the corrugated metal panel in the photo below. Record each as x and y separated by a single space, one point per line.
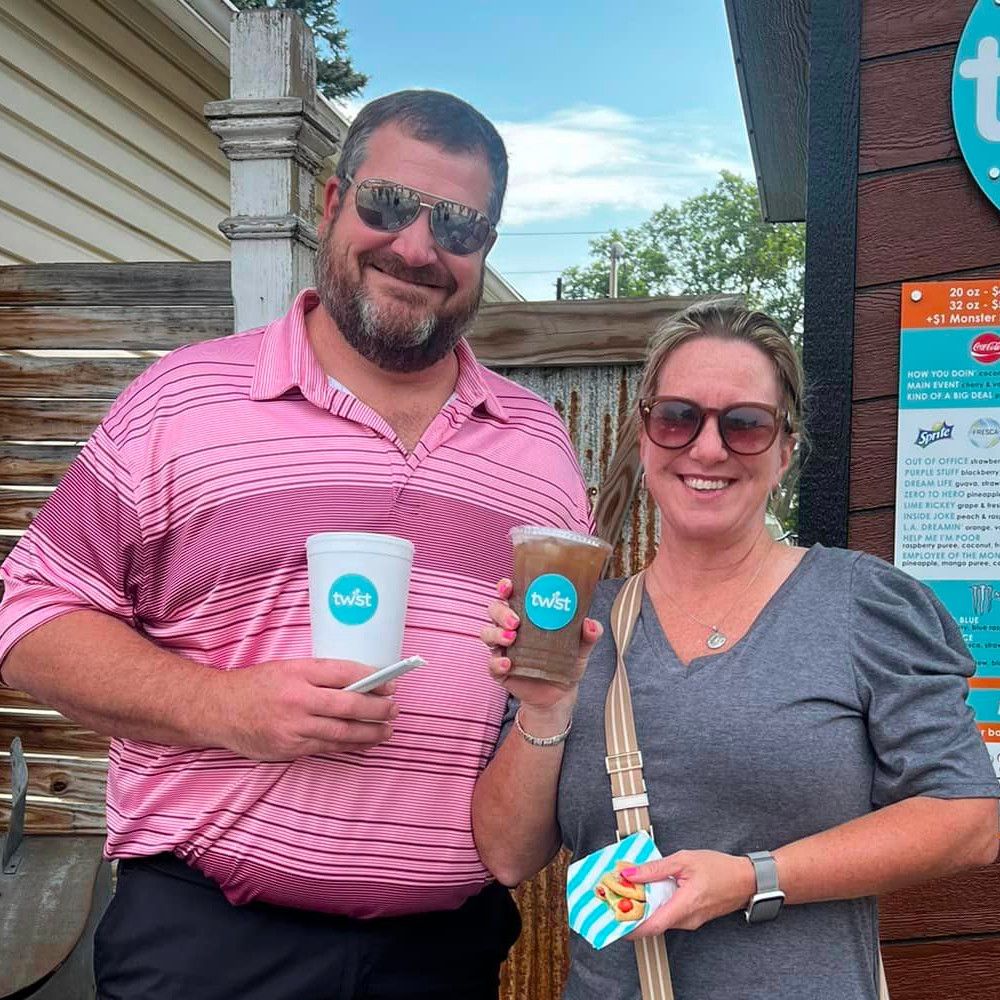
594 400
106 155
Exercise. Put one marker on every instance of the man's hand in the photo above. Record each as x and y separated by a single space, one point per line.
286 709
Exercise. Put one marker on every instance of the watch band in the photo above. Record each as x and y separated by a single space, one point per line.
766 902
766 870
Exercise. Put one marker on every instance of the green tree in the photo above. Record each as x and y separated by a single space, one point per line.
713 242
335 76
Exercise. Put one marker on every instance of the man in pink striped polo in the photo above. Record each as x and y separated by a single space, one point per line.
278 836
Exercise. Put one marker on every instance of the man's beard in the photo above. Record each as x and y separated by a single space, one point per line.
379 333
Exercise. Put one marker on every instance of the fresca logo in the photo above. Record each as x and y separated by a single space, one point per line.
974 96
986 348
353 599
985 432
550 602
938 432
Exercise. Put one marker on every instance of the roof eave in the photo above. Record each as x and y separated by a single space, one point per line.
770 40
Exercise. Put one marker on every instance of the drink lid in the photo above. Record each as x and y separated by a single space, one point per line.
525 532
363 542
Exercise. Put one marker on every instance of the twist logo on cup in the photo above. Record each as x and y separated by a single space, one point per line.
550 601
353 599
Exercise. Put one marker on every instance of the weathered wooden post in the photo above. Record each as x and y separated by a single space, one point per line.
276 135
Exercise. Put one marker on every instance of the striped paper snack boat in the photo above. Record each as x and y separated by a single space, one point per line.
592 917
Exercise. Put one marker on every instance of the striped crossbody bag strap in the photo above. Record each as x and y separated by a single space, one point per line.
628 789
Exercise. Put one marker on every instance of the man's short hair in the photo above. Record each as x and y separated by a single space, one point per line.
435 117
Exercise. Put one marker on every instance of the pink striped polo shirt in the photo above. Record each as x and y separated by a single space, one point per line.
186 516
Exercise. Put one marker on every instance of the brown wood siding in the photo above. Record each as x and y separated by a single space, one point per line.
871 531
944 969
944 906
923 222
894 26
906 111
920 216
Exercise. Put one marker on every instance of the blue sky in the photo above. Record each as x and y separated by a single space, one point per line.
608 109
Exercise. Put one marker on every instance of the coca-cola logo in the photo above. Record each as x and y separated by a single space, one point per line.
986 348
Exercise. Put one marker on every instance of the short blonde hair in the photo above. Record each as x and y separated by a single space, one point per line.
726 319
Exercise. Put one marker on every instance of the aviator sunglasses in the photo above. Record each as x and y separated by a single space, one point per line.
745 428
389 207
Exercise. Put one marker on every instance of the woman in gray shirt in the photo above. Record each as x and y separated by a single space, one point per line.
809 704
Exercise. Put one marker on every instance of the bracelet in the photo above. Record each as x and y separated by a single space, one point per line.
541 741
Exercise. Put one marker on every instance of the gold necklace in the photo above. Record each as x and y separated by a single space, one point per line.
716 637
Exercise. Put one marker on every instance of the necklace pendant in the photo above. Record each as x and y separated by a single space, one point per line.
716 640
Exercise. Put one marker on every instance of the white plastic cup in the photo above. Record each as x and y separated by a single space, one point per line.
358 589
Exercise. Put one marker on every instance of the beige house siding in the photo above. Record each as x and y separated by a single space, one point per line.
104 150
104 153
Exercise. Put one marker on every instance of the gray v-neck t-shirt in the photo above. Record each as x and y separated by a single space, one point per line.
847 694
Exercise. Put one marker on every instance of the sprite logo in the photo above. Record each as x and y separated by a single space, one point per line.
550 602
940 431
353 599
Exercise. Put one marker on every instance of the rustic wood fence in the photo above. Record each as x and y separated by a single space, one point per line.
71 338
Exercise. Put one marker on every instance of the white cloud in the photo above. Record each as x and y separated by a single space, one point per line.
349 106
584 158
589 157
594 117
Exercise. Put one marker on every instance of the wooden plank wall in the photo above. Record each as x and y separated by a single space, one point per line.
582 357
920 215
122 316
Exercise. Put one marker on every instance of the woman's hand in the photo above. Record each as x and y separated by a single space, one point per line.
709 885
531 692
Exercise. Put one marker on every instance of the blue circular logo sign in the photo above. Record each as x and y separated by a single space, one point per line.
353 599
550 602
974 97
985 432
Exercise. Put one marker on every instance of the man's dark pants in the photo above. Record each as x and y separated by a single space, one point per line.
170 934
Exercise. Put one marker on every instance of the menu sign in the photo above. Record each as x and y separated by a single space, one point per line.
948 467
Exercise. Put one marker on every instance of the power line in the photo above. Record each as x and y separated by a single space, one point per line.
551 270
568 232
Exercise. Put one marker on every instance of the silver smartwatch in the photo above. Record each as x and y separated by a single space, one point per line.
766 902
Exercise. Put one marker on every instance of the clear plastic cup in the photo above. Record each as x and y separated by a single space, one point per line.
555 573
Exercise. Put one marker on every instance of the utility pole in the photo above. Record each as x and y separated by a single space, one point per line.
617 252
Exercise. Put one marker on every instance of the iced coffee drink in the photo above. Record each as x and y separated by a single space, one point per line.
555 573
